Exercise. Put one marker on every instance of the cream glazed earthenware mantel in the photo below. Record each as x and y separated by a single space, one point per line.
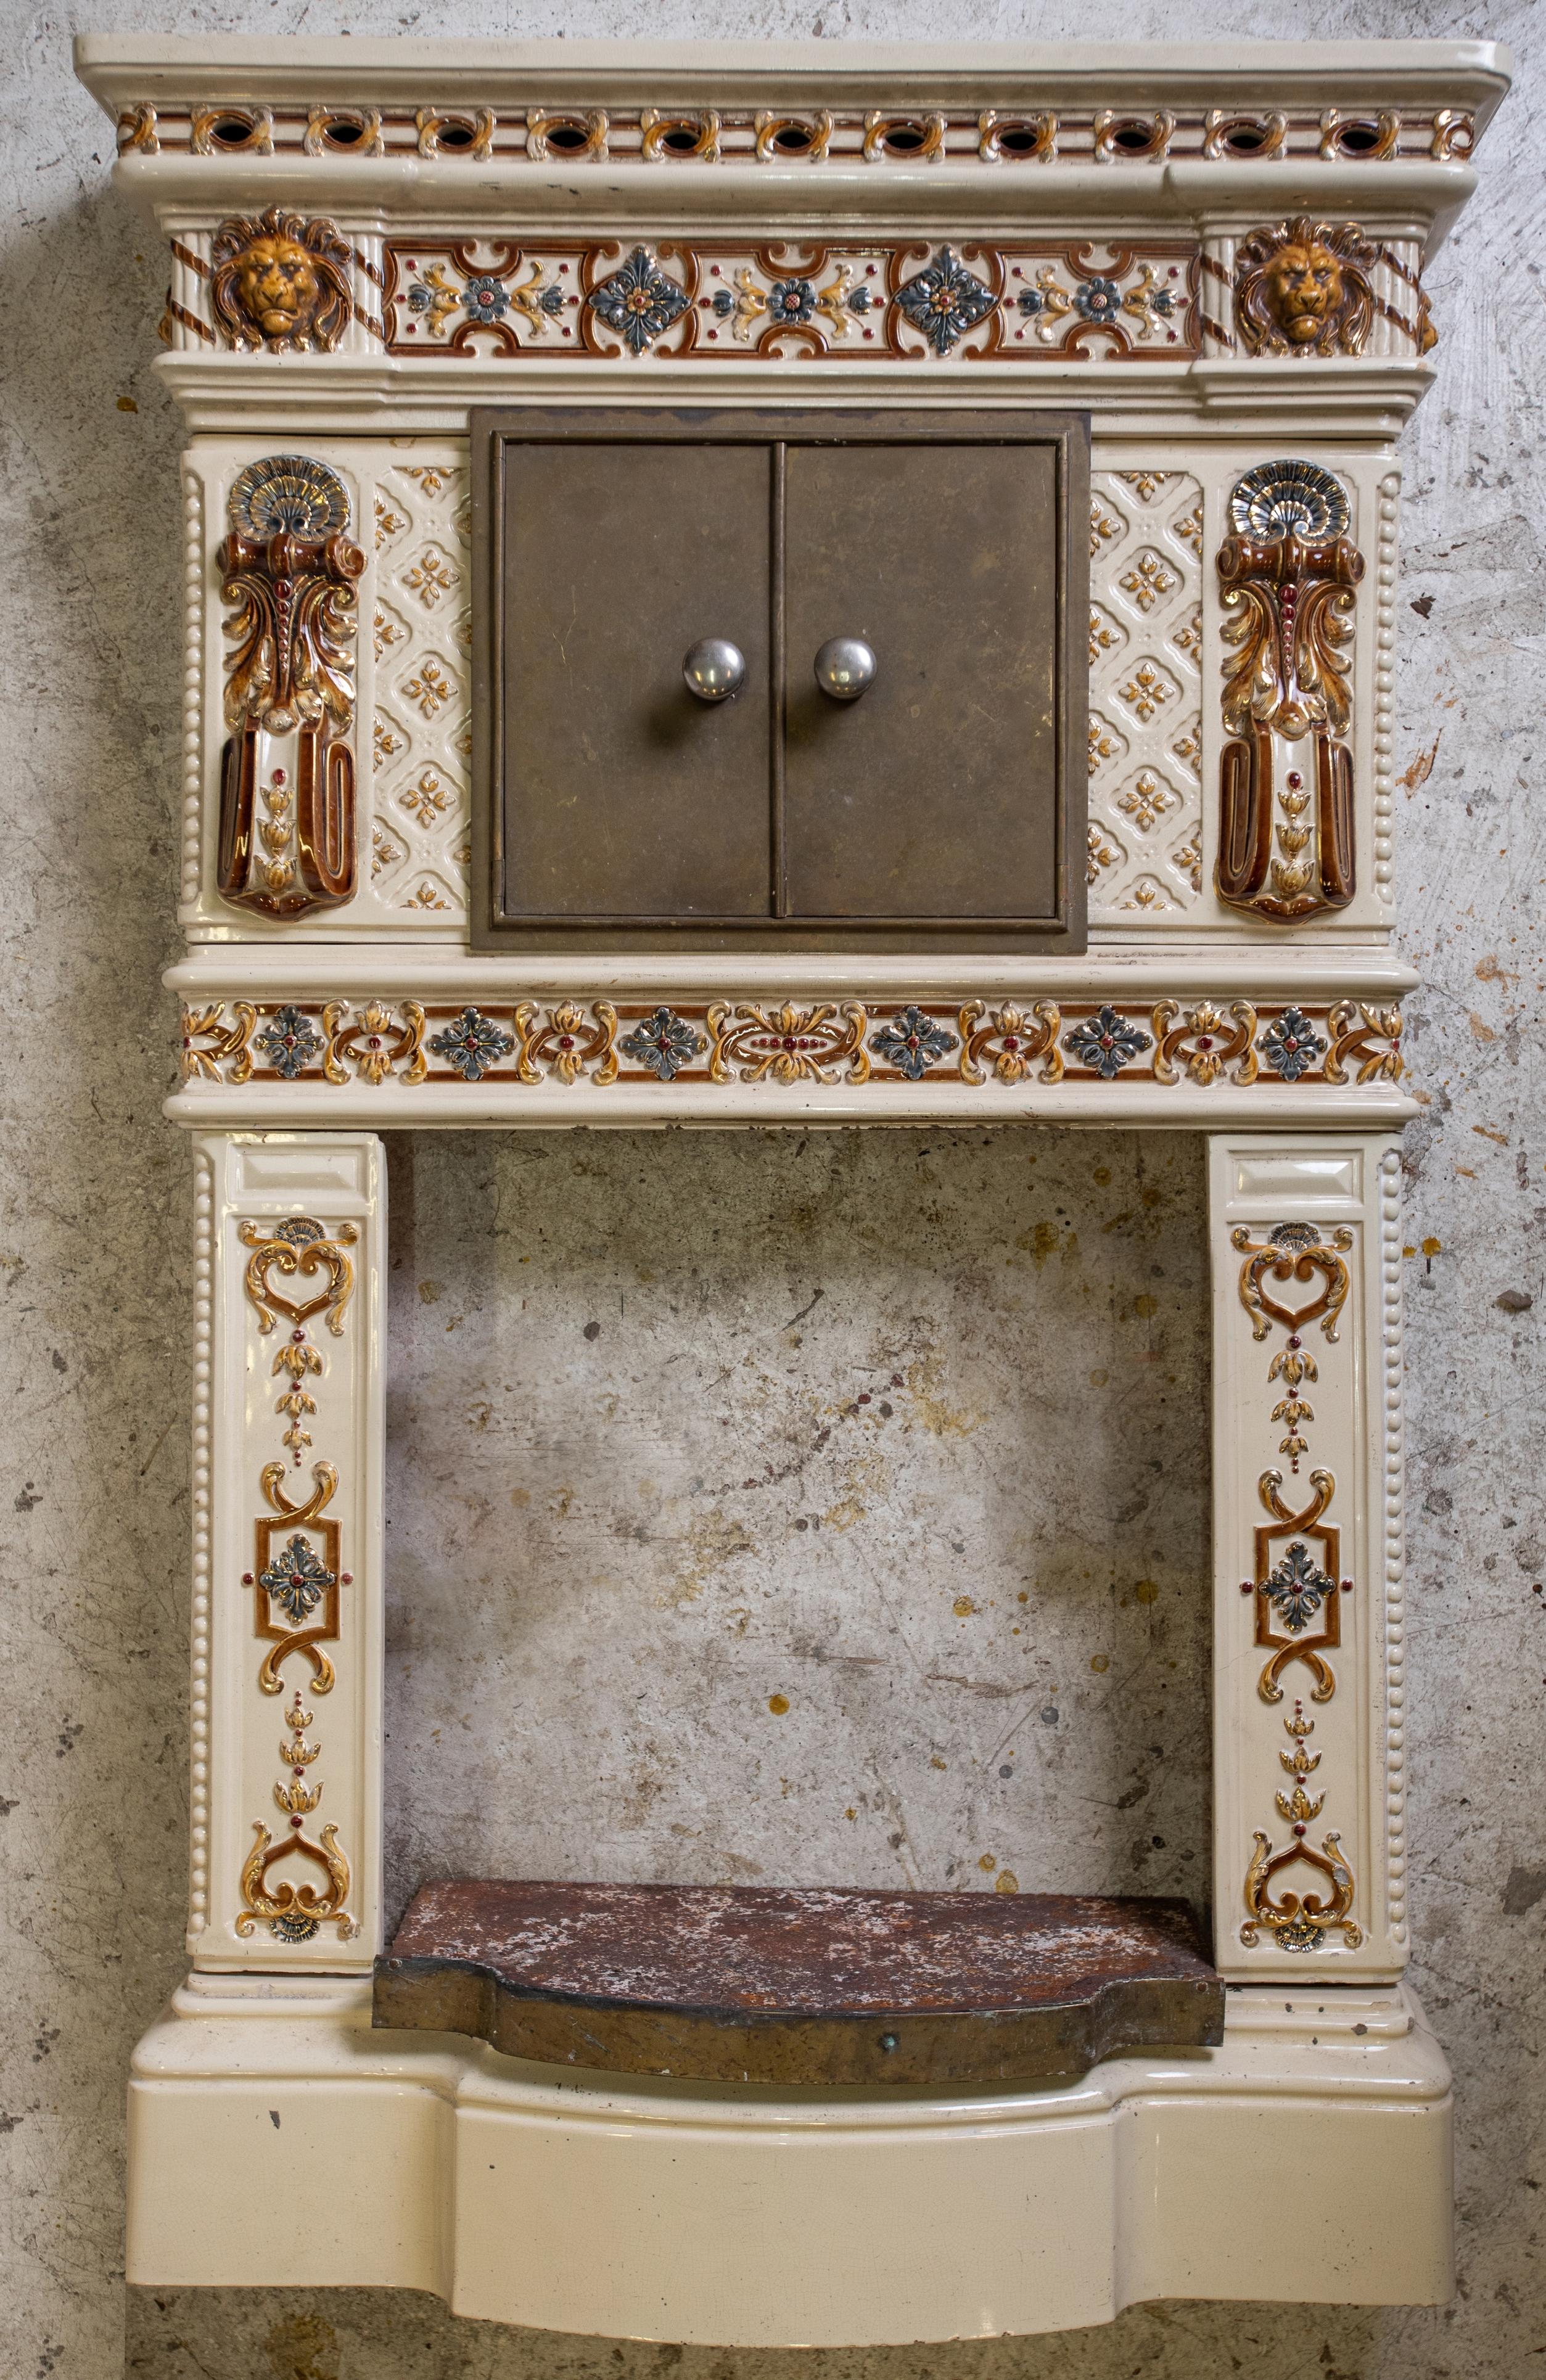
1217 255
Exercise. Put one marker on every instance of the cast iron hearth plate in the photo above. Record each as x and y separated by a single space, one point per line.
736 1984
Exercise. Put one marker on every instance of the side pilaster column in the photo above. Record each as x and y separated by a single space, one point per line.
1308 1877
287 1551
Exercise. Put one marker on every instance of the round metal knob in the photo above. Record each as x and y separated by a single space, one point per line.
714 668
844 666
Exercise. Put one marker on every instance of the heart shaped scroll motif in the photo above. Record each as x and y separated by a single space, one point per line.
294 1248
1293 1252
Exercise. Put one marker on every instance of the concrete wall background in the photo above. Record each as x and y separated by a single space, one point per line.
92 1578
822 1508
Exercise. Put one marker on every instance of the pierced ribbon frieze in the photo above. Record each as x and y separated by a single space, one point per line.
1005 140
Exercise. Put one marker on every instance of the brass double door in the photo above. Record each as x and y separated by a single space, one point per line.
619 808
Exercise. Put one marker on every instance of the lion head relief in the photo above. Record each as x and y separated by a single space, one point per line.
1304 288
280 282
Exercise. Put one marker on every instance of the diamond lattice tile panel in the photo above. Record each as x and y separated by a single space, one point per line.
1145 695
421 732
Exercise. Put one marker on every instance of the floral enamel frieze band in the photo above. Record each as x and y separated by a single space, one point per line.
693 297
280 283
967 1043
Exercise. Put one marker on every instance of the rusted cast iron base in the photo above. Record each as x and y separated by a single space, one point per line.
739 1985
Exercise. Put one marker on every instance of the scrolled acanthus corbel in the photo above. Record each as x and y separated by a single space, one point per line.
287 832
1288 577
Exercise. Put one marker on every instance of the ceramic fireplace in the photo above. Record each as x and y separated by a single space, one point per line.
792 587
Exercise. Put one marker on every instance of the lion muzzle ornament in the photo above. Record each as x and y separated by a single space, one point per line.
281 281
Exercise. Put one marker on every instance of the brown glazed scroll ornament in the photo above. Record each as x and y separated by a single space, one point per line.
287 776
1287 580
1296 1919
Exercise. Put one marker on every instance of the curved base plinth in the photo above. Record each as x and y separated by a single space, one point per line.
772 2217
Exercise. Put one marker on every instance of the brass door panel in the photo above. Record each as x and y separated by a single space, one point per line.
943 809
934 793
626 798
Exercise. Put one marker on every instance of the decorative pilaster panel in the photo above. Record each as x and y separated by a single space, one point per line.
287 1551
1306 1537
385 846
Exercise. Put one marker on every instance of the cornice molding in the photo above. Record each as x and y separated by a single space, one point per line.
122 70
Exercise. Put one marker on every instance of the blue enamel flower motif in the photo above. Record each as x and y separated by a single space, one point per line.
944 300
1298 1588
291 1925
473 1042
1105 1043
911 1042
664 1042
791 301
1098 300
297 1581
550 299
298 1230
289 1041
639 302
1030 301
1292 1045
859 301
485 298
723 303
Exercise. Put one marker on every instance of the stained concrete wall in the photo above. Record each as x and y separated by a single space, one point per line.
92 1256
822 1508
